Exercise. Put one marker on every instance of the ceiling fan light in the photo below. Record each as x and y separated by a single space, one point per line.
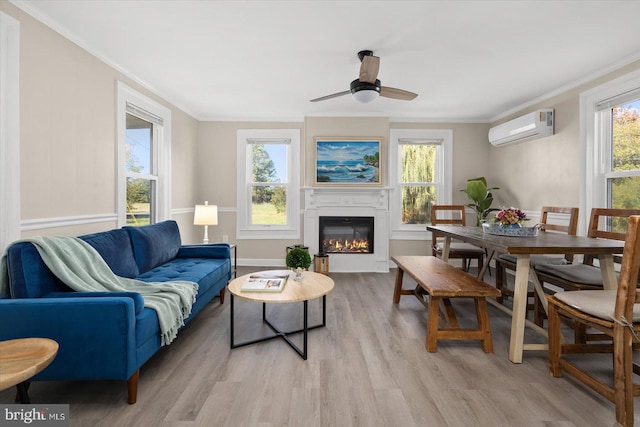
366 95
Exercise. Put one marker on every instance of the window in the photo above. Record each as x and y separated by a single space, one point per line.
144 154
268 184
611 146
140 165
420 164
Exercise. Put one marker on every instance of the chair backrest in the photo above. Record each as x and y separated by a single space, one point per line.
446 214
627 293
600 226
570 227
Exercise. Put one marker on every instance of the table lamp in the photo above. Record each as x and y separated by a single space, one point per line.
206 215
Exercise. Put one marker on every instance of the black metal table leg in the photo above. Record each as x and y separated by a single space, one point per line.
231 324
23 396
282 334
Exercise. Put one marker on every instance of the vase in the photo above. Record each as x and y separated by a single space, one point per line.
510 226
298 273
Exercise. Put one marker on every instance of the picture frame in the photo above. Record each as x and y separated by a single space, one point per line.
348 161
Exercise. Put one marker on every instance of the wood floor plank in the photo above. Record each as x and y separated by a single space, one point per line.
368 367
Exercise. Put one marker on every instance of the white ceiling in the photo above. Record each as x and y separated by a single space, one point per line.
264 60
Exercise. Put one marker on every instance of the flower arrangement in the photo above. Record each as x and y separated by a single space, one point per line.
510 217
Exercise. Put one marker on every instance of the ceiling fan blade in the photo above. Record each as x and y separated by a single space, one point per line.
392 92
335 95
369 68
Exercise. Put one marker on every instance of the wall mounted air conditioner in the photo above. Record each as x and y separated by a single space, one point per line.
530 126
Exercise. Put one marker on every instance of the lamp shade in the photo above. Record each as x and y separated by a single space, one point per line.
206 214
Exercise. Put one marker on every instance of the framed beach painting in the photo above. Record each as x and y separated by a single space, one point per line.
348 161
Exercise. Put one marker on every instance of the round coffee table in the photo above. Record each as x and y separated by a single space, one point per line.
21 359
312 286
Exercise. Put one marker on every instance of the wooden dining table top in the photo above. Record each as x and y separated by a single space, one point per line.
543 243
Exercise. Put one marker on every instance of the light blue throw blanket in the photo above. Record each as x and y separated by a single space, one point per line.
79 266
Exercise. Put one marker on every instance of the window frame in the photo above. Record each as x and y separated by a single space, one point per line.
245 139
161 147
444 173
595 143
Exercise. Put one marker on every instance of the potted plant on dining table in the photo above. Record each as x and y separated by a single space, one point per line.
481 196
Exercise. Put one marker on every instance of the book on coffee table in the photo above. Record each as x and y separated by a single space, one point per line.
264 283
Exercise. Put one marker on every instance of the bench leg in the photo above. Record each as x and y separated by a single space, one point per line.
483 324
432 325
449 314
398 286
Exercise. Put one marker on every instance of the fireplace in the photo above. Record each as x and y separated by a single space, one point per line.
350 202
346 234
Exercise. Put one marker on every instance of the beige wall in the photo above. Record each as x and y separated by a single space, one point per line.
545 171
68 148
68 134
217 164
217 183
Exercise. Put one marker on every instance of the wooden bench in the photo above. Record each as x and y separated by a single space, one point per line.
443 281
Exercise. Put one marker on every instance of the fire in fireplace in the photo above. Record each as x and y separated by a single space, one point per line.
346 234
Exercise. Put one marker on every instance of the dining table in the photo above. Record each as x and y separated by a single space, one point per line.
544 243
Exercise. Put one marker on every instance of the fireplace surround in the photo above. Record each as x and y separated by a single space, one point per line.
349 202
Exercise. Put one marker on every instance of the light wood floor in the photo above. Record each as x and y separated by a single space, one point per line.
368 367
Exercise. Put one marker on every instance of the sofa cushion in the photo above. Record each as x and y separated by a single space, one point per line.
204 271
154 244
29 277
114 247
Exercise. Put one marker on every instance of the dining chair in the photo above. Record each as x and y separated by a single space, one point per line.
614 313
455 215
563 220
585 275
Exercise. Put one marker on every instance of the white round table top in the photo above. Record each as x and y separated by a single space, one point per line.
313 285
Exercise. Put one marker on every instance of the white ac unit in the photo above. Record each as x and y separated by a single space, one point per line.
530 126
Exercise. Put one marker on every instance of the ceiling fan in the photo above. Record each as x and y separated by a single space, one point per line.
367 87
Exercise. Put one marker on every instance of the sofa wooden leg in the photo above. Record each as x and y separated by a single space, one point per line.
222 295
132 387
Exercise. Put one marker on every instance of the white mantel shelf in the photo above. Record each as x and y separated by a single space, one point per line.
350 201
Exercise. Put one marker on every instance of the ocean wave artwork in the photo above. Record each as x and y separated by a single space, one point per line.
348 162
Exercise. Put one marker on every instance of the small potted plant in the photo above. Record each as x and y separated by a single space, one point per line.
298 259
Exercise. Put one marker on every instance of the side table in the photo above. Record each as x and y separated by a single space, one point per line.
21 359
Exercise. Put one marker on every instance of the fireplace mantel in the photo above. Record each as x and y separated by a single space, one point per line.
353 201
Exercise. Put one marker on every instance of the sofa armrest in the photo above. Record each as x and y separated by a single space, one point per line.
216 250
96 335
138 300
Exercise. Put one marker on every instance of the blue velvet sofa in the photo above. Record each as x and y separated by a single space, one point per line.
107 335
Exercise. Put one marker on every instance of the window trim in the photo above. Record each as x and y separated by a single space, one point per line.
593 131
401 231
127 95
244 229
